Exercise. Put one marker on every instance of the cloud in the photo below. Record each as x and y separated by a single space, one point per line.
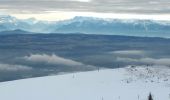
128 52
104 6
8 67
52 59
160 61
81 0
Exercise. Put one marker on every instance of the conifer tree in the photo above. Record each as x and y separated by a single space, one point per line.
150 97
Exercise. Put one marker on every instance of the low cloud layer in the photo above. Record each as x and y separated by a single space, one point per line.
128 52
8 67
160 61
52 59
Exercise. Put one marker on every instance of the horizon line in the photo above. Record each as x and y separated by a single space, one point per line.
109 18
60 16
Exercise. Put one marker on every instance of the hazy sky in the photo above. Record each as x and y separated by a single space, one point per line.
64 9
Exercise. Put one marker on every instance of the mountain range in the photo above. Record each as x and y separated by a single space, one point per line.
88 25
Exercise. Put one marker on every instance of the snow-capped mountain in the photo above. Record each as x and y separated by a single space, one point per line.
89 25
114 27
9 23
132 83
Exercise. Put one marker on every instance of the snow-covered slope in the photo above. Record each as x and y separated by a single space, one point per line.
108 84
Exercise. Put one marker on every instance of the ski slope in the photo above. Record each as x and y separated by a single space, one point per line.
129 83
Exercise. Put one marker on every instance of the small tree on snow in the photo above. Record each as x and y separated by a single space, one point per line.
150 97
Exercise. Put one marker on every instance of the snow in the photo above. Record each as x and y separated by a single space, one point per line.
107 84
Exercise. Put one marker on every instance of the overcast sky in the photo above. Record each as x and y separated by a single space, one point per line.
61 9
